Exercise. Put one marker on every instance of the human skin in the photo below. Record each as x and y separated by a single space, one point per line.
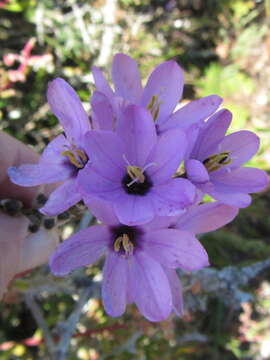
19 250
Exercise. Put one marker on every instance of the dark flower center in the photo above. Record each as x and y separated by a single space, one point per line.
125 239
136 187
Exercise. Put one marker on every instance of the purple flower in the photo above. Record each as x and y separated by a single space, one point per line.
161 94
63 157
141 260
214 162
132 168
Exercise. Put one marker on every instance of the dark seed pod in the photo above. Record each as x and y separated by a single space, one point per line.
49 223
33 228
11 206
64 216
41 199
34 219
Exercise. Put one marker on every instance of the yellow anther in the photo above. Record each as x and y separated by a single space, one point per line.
215 162
117 244
152 102
81 155
76 157
154 107
125 242
136 173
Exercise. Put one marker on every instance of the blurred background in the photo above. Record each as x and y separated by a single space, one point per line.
224 48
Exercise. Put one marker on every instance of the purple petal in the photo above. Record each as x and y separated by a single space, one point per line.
196 171
233 199
37 174
126 78
192 113
91 183
242 145
83 248
207 217
160 222
66 105
62 198
152 293
114 285
136 128
166 82
101 83
172 197
240 180
105 151
52 152
177 292
175 249
211 135
103 117
166 156
134 210
102 210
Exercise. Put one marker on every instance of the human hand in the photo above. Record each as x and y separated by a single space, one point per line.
20 250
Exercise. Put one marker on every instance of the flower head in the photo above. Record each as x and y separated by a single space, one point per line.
132 168
63 157
214 162
160 96
141 260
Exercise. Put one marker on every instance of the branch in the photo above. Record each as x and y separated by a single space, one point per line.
37 313
69 326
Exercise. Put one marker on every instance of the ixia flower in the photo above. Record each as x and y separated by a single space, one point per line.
141 260
63 157
214 163
161 94
132 168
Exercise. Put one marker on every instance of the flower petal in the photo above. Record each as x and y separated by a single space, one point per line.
114 285
83 248
126 78
233 199
166 82
134 209
175 249
172 197
242 145
101 83
196 171
240 180
137 130
152 293
211 135
62 198
37 174
177 292
91 183
102 210
67 107
207 217
192 113
103 118
167 155
52 152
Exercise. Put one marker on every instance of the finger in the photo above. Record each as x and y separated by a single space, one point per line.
14 153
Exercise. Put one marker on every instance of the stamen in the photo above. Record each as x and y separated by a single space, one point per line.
136 173
81 155
77 157
125 242
154 107
215 162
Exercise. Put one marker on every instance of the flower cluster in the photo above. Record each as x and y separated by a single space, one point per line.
143 169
